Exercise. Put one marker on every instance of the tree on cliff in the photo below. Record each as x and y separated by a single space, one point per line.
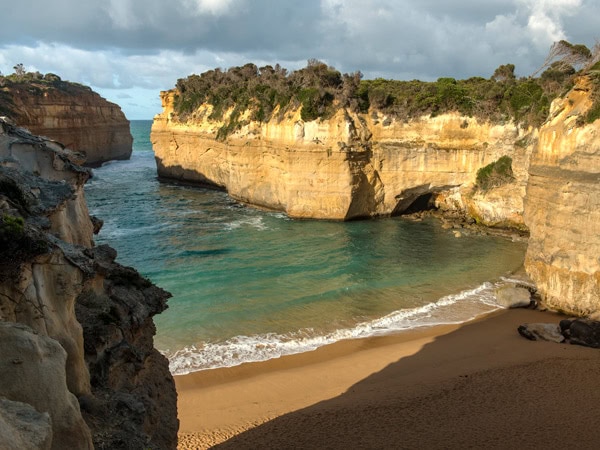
19 70
504 73
564 54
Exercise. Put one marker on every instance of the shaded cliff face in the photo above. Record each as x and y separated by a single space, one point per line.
563 207
349 166
99 314
69 113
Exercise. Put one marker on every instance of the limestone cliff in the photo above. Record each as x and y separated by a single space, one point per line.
361 165
563 206
71 114
93 317
348 166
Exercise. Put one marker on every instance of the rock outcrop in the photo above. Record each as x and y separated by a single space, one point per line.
541 332
513 297
349 166
578 331
69 113
97 313
562 208
32 370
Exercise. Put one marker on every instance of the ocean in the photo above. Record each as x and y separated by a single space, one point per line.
251 285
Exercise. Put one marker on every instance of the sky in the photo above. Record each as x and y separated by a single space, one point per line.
130 50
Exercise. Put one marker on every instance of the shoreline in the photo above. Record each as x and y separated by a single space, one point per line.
370 329
243 403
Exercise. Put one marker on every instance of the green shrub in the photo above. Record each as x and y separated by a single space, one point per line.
495 174
593 113
319 89
11 227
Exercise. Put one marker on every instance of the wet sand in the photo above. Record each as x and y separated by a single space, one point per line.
476 385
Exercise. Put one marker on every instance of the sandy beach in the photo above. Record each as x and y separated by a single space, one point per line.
476 385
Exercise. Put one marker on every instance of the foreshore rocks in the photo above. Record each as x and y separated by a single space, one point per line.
69 113
87 315
578 331
513 297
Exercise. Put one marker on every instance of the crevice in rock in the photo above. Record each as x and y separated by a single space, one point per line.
425 202
417 199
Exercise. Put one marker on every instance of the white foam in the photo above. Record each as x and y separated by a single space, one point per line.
451 309
253 222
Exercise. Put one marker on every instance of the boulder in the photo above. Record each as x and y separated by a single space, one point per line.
584 332
513 297
541 332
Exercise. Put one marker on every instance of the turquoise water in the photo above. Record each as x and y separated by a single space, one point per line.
250 285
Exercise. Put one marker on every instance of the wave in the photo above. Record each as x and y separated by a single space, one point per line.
253 222
451 309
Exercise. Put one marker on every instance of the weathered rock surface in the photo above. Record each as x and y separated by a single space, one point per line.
513 297
71 114
24 428
541 332
32 370
582 332
55 281
351 165
562 208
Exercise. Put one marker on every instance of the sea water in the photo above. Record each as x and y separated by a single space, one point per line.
250 285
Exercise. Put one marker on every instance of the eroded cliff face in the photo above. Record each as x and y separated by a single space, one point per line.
349 166
563 207
115 390
72 114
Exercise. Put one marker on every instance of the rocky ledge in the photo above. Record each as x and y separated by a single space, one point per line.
78 368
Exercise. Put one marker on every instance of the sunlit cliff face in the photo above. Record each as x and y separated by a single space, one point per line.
365 165
351 165
563 207
81 120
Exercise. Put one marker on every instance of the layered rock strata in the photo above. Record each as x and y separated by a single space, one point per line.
563 207
364 165
349 166
72 114
92 317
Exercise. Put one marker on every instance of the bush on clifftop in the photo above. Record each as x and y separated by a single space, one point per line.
321 89
495 174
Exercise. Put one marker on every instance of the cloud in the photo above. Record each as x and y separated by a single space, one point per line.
213 7
545 19
122 14
149 44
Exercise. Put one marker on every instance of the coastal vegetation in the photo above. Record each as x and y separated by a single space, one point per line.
321 89
594 111
495 174
33 83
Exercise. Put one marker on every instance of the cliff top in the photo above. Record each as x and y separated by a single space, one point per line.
36 84
320 90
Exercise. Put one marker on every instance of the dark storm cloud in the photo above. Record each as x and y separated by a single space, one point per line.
139 26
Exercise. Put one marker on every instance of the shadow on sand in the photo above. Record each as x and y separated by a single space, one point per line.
481 386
